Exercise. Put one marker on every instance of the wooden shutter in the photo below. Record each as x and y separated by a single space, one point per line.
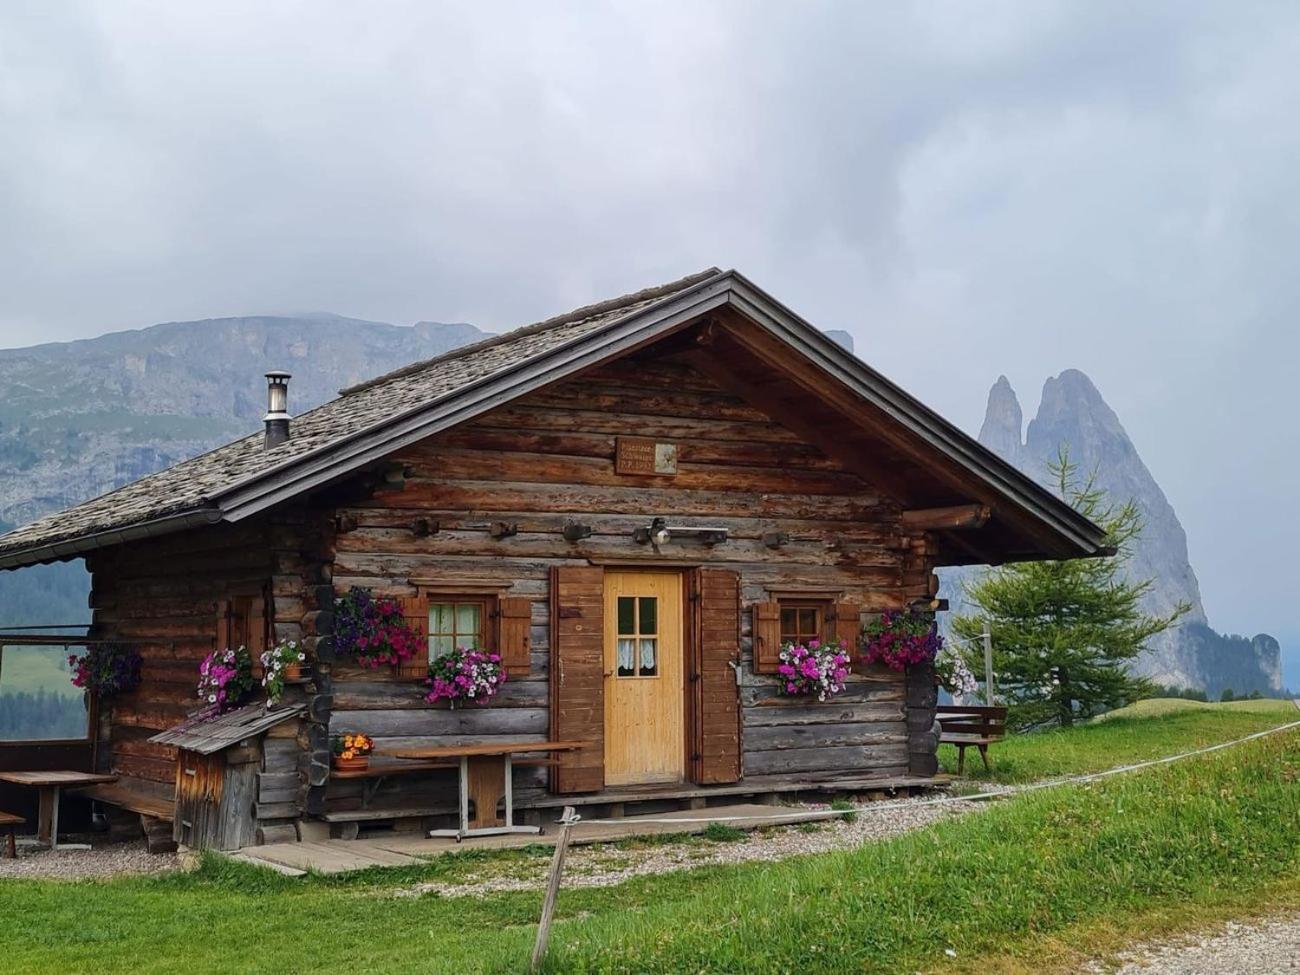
255 626
577 676
847 627
767 637
224 627
415 610
516 625
716 700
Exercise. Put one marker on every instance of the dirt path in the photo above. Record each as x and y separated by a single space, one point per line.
1261 948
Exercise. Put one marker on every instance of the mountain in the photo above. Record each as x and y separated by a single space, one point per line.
1073 414
78 419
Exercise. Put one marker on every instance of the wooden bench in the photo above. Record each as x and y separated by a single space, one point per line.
156 811
974 726
9 822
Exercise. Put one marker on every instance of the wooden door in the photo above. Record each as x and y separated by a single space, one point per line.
645 730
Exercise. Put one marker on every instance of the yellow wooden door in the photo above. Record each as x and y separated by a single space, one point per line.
645 730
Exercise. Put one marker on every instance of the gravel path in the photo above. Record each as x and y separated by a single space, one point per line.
603 865
1260 948
107 860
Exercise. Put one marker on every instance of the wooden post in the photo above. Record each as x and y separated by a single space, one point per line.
567 821
987 637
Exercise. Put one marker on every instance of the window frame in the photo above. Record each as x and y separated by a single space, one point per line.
638 636
824 607
489 617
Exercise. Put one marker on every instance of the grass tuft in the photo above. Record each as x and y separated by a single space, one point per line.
722 833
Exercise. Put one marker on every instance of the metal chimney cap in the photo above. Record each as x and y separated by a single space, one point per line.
279 374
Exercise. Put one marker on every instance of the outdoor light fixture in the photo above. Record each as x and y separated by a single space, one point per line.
658 533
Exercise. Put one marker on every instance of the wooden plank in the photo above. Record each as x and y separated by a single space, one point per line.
490 748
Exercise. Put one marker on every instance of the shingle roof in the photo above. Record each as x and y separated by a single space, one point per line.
194 484
371 420
205 733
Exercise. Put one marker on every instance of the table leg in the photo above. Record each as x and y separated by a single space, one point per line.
464 796
47 819
510 797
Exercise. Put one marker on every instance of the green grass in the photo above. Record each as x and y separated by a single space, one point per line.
1030 874
1148 729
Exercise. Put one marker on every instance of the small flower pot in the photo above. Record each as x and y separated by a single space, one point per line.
292 671
358 763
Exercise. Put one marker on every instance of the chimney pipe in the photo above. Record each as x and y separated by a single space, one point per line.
277 408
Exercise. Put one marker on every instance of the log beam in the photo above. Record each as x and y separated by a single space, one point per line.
952 518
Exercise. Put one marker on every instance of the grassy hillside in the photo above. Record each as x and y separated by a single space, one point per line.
1148 729
1187 839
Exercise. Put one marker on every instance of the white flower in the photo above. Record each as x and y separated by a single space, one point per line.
212 699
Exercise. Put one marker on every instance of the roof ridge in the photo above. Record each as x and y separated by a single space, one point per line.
577 315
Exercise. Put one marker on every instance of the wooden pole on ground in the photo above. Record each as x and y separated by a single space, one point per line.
987 637
567 821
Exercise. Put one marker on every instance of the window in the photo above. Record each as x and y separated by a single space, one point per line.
37 699
456 623
638 636
802 620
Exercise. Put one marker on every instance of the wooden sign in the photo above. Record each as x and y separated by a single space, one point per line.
637 455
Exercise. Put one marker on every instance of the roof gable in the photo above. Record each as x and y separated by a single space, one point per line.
372 419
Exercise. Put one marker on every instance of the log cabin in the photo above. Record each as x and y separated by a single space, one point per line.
693 467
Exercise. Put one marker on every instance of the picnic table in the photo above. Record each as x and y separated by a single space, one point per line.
51 782
485 777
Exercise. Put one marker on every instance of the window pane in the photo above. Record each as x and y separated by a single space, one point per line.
37 699
808 622
649 622
441 644
789 626
626 665
441 618
648 656
626 614
468 616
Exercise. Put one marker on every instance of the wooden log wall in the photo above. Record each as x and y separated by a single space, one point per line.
161 595
547 461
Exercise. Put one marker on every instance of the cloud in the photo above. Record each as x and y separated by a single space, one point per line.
1013 187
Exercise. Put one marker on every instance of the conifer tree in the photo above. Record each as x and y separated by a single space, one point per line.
1065 633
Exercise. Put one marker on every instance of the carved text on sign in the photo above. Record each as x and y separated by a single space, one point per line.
638 455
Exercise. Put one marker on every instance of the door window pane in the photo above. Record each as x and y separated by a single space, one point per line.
649 658
638 626
626 614
649 613
626 661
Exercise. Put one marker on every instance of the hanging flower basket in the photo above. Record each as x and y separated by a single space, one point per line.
465 674
106 669
900 640
814 668
373 631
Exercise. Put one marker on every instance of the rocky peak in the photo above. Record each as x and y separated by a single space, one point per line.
1003 422
1074 415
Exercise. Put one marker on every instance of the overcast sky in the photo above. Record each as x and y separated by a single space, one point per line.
970 189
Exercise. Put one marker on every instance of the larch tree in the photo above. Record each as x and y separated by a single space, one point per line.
1065 633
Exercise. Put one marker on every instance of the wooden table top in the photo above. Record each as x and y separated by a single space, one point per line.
53 777
472 751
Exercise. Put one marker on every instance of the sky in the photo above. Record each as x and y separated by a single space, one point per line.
968 189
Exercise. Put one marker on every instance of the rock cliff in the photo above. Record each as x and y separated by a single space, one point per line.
1073 414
